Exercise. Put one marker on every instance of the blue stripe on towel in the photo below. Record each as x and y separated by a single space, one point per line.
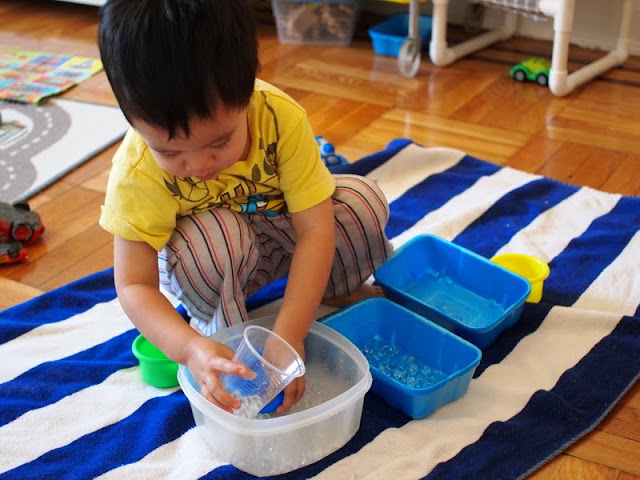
510 214
371 162
156 422
434 192
54 306
267 294
588 255
513 449
55 380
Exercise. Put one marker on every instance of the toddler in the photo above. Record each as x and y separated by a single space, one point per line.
218 189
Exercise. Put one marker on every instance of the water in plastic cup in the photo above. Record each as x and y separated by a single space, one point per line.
275 362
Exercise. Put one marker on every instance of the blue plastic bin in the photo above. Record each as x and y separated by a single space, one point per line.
454 287
388 36
438 364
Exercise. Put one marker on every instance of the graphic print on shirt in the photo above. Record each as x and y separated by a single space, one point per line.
270 161
247 195
187 188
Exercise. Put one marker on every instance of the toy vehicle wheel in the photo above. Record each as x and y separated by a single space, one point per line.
542 80
22 232
519 75
409 57
12 252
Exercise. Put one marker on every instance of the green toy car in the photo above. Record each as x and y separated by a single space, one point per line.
533 69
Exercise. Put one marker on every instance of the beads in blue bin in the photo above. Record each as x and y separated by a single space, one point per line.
328 153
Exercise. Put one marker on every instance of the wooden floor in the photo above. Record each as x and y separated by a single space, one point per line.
360 102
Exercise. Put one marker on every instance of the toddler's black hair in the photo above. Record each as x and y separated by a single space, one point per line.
170 60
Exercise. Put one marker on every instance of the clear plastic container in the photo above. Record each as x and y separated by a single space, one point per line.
328 22
327 417
275 364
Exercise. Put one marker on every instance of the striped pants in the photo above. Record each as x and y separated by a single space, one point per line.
216 259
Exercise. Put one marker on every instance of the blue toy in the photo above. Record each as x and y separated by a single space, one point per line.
273 404
328 153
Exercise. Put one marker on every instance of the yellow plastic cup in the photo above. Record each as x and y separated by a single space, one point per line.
527 266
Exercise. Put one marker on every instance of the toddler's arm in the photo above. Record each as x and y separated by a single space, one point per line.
310 268
137 284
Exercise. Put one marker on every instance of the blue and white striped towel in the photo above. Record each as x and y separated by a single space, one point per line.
73 406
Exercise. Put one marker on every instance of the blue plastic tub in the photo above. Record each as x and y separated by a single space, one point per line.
388 36
416 365
454 287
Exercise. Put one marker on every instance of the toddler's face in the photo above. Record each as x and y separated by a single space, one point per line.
212 146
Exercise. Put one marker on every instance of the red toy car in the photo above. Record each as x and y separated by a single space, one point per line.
19 226
12 252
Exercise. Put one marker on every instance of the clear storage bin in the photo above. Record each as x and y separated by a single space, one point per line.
329 22
327 416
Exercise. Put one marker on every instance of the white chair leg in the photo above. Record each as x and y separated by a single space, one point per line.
560 81
441 54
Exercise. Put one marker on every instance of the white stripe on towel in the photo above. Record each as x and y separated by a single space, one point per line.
617 288
410 166
47 428
551 231
188 456
459 212
53 341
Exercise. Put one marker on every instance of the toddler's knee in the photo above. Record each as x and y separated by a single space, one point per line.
365 197
211 241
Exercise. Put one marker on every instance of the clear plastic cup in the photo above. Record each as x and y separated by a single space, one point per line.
275 362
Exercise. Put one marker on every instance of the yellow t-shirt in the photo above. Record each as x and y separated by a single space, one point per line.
282 172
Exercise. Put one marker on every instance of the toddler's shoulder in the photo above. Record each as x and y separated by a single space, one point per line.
132 150
267 94
133 160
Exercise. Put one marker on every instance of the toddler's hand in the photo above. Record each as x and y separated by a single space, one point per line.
292 394
206 360
294 391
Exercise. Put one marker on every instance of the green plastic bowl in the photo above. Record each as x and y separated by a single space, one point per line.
156 369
